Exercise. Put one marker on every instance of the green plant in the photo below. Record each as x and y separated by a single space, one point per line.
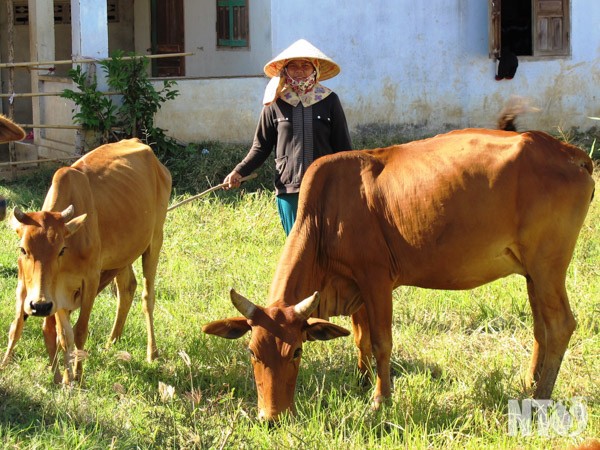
96 111
139 101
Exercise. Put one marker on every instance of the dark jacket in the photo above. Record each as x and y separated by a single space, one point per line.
276 130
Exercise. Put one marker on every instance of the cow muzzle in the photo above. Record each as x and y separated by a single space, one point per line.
268 417
273 417
40 309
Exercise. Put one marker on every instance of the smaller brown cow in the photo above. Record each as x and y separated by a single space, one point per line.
454 211
99 216
9 131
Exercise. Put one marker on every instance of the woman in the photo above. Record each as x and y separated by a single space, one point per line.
302 119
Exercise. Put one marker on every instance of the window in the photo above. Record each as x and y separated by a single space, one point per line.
232 23
62 12
530 27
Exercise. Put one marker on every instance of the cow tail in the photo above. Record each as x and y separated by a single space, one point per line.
514 107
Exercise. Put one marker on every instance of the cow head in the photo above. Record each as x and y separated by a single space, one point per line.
275 347
42 248
9 131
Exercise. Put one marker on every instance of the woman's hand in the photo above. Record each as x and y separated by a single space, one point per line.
233 180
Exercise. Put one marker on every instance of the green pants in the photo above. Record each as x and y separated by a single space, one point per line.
287 205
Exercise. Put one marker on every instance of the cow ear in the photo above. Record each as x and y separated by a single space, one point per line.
74 224
15 224
323 330
232 328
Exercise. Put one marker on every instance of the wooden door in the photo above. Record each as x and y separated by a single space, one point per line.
168 37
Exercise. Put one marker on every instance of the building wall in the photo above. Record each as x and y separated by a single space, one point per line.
426 65
421 68
413 69
224 109
121 36
208 61
201 39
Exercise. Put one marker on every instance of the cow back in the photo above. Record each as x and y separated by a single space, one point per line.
124 190
451 212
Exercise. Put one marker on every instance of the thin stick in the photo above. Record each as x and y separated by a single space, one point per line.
37 161
46 94
87 60
214 188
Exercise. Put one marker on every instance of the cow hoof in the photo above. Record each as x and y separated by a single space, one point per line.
377 402
67 378
151 356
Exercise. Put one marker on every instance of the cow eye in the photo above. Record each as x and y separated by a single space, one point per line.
252 355
298 353
23 251
62 251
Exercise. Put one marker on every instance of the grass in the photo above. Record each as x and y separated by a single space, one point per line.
458 357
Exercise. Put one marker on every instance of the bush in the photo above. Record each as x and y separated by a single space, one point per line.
199 166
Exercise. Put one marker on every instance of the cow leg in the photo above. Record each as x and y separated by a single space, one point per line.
80 334
362 339
126 286
378 304
149 265
554 316
50 341
539 338
16 327
14 334
66 341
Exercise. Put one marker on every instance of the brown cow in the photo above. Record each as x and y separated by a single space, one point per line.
120 193
451 212
9 131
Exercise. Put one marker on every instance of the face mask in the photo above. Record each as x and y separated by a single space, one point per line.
301 85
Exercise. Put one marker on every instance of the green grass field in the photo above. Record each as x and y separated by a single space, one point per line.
458 357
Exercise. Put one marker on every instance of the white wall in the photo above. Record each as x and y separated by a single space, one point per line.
224 109
208 60
425 64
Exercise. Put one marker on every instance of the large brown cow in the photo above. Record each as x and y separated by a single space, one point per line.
120 193
9 131
451 212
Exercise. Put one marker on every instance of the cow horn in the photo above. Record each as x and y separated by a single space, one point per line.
242 304
19 215
67 213
305 308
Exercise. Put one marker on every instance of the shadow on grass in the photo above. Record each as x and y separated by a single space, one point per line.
8 271
24 420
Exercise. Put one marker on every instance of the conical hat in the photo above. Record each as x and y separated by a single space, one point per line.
303 49
10 131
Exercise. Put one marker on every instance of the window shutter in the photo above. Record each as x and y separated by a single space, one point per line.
494 29
232 23
551 27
